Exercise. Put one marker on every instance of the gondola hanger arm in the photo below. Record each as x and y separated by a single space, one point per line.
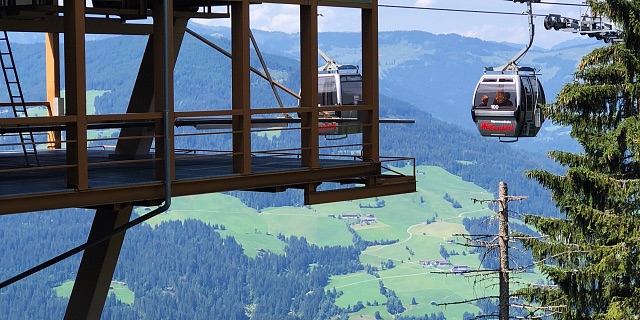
512 65
330 65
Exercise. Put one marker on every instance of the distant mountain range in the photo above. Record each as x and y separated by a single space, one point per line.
438 73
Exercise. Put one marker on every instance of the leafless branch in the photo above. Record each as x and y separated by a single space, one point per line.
542 316
470 271
466 301
484 201
538 308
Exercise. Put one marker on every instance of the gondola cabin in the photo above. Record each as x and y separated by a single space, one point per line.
508 105
340 88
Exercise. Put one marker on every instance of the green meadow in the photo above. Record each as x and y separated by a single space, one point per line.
118 288
91 109
421 222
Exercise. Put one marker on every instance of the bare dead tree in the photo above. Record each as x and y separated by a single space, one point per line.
500 243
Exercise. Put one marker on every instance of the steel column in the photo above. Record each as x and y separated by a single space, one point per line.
52 58
240 86
370 84
160 77
76 95
98 264
309 84
141 100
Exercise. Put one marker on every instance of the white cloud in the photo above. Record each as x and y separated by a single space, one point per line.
289 23
495 32
285 18
338 19
425 3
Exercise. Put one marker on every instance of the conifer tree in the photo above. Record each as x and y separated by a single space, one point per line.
591 253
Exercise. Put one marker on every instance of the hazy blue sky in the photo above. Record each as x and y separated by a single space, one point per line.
494 27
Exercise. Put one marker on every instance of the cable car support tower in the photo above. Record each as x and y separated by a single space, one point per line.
147 163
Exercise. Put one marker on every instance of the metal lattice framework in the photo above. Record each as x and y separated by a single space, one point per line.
146 165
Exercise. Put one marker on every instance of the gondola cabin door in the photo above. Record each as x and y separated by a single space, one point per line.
339 89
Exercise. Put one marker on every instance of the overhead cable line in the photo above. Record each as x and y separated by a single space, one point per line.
559 3
448 9
563 4
89 244
476 11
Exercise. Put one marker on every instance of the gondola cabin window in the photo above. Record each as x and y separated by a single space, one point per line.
496 93
327 91
340 89
351 89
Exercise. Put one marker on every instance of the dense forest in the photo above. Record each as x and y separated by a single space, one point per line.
170 267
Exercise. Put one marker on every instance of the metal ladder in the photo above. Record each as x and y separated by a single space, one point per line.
16 97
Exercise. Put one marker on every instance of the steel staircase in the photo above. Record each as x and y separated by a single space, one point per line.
27 140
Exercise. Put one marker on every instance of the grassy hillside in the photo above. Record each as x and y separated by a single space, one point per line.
421 223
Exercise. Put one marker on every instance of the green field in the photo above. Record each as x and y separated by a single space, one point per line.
118 288
246 225
422 222
91 109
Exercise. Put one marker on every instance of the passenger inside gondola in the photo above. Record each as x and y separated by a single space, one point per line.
484 100
507 97
502 99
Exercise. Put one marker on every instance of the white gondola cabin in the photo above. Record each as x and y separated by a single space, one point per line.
507 100
508 105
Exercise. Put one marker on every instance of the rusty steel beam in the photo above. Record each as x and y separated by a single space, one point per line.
76 94
324 3
240 87
140 193
37 120
52 60
318 197
161 92
93 26
309 84
98 263
370 85
141 101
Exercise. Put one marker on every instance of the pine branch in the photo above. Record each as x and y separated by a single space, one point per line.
535 263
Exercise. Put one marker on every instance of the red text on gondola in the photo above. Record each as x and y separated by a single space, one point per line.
502 127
